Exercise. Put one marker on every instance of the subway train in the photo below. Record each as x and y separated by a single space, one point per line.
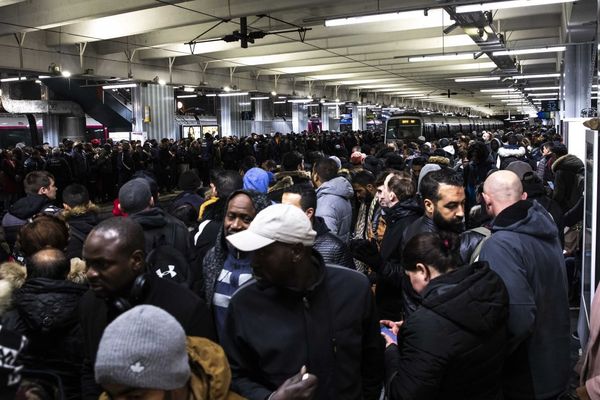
14 128
434 126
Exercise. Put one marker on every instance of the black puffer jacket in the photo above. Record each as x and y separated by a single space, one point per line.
333 250
393 295
79 227
568 181
45 311
161 228
454 345
22 210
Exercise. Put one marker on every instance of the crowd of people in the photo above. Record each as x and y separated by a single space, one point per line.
326 266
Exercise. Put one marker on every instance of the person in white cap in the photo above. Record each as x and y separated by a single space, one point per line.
300 314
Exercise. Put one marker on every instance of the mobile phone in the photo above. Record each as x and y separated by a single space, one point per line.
388 332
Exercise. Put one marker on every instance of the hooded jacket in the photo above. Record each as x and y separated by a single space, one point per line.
157 224
22 210
524 250
331 328
256 179
286 179
333 250
80 225
213 262
453 346
333 205
510 153
45 311
568 181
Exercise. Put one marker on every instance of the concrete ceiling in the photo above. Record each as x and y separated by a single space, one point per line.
143 38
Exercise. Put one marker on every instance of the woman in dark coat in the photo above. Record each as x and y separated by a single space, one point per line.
453 346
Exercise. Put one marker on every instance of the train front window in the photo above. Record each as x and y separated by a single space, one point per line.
403 128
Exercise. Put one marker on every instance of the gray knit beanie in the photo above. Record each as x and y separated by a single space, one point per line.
143 348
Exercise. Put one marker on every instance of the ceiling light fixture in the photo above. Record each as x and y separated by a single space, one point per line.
119 86
186 96
260 98
211 95
542 88
442 57
498 90
66 74
279 102
535 76
478 79
529 51
542 94
233 94
498 5
373 18
548 99
13 79
189 89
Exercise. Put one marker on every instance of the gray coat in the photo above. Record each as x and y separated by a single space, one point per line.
333 205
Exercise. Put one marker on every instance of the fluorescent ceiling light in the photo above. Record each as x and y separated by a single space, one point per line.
281 97
374 18
120 86
542 94
442 57
43 76
188 89
211 95
534 76
300 101
260 98
478 78
335 103
498 90
279 102
507 96
549 99
233 94
530 51
246 104
13 79
542 88
186 96
508 4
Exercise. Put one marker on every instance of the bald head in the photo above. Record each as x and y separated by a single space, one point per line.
502 189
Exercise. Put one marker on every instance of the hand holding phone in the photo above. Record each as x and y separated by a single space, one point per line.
388 333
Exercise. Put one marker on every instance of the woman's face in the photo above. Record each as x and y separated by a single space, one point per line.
420 278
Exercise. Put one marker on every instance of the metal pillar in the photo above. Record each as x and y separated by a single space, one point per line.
154 111
299 117
231 115
577 80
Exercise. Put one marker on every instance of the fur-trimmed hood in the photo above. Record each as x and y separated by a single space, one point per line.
568 162
511 151
439 160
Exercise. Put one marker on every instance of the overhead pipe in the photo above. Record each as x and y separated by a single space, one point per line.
52 107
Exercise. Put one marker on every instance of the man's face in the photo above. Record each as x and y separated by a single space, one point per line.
122 392
381 198
272 264
361 192
449 210
50 190
240 212
110 271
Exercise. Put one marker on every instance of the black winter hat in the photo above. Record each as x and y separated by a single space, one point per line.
189 181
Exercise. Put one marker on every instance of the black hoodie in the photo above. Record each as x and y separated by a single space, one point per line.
22 210
454 345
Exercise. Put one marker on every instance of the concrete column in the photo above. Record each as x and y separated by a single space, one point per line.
324 118
231 108
359 118
299 117
577 80
154 111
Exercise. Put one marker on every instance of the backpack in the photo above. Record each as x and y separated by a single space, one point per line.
486 233
166 261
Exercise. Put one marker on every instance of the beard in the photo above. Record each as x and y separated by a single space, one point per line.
456 225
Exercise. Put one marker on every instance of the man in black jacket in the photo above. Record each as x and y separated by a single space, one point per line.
331 247
114 255
320 317
45 311
40 191
163 233
400 210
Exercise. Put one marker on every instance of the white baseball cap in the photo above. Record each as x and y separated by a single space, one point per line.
277 223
